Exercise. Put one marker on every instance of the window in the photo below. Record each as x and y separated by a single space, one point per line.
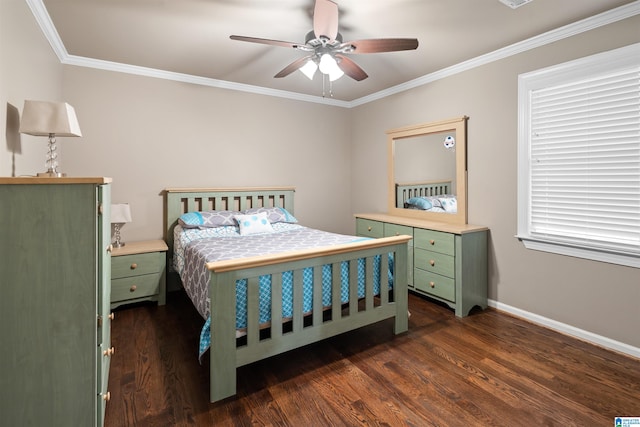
579 158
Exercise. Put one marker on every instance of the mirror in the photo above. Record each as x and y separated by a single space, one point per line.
428 162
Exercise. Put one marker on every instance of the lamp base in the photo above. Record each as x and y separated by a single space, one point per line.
118 244
51 174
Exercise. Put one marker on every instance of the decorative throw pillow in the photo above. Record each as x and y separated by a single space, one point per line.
257 223
449 204
273 214
208 219
418 203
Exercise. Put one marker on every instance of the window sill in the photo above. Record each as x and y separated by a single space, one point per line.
628 260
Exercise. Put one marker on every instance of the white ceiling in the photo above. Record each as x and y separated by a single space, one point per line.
191 37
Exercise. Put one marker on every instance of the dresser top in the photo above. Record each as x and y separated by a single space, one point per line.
421 223
61 180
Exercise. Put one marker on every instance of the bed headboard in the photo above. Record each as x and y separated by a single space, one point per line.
419 189
182 200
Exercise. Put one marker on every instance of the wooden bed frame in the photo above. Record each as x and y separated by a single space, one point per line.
419 189
226 352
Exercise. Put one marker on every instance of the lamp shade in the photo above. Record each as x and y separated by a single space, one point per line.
120 213
43 118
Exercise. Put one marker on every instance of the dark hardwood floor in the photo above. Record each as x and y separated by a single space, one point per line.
488 369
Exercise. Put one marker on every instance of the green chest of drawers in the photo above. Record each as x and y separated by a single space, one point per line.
138 273
55 349
449 266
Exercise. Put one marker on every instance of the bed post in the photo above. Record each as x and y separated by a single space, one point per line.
401 291
222 363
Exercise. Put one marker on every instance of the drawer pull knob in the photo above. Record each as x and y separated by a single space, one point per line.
432 242
432 284
134 266
432 262
133 288
109 352
368 228
107 396
112 316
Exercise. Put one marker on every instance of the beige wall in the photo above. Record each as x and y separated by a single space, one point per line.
148 134
594 296
29 69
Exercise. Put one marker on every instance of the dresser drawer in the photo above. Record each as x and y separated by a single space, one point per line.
435 262
135 265
435 241
369 228
435 284
397 230
134 287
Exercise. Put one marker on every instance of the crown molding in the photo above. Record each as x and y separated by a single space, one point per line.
614 15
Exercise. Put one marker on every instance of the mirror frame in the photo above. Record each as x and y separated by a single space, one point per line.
459 125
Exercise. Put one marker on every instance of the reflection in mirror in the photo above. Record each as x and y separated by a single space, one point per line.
427 171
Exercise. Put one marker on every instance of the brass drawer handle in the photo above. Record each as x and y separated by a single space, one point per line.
133 288
134 266
432 284
112 316
107 396
432 242
432 262
368 228
109 352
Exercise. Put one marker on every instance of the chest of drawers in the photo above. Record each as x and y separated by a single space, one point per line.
448 263
138 273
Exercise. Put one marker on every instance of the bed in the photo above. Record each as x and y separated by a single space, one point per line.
357 264
431 196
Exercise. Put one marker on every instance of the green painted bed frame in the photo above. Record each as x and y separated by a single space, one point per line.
418 189
225 352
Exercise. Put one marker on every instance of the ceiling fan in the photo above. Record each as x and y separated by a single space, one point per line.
326 50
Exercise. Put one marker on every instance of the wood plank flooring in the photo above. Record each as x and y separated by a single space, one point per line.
488 369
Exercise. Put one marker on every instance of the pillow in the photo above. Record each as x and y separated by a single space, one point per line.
257 223
273 214
449 204
418 203
208 219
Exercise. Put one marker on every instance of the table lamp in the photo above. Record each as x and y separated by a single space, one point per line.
120 215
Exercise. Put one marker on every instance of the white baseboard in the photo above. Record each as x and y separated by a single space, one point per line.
568 329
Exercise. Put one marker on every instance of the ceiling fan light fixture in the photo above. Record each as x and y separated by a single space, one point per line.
328 64
309 69
335 74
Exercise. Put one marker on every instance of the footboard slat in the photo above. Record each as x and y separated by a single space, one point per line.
276 306
317 296
335 292
297 301
384 280
253 311
353 290
369 284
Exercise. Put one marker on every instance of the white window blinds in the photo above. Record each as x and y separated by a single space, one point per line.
579 157
585 161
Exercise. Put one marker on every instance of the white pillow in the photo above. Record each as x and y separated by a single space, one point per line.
257 223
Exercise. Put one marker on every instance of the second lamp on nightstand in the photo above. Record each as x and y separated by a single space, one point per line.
138 273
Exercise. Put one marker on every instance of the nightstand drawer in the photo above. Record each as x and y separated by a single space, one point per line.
134 287
435 284
368 228
435 262
135 265
435 241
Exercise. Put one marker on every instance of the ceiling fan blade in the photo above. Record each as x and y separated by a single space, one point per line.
382 45
295 65
265 41
350 68
325 19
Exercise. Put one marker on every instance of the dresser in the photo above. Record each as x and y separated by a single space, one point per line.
55 276
448 262
138 273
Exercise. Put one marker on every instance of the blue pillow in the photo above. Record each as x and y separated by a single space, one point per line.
418 203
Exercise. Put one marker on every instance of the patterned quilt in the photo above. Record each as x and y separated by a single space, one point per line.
194 248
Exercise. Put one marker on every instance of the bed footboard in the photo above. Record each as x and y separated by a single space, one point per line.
382 299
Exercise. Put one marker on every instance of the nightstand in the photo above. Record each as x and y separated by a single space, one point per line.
138 273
